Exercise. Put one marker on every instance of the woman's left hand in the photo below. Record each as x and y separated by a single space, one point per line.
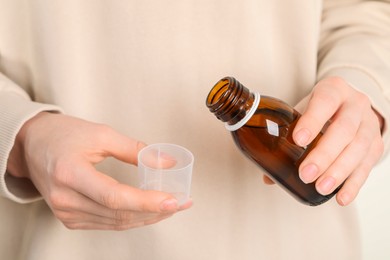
351 145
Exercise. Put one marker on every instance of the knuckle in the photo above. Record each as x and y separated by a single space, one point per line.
58 201
347 127
60 175
68 219
123 227
63 216
111 200
362 99
326 97
353 185
321 158
71 226
145 201
363 142
120 222
146 208
123 217
338 83
379 147
335 81
374 146
333 89
101 132
138 145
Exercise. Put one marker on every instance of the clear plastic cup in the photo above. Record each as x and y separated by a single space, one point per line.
166 167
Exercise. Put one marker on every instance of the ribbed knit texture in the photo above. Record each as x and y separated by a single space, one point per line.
11 122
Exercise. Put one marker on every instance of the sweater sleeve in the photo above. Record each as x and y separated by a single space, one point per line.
355 45
15 109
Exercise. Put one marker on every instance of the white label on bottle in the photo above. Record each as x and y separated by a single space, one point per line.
272 127
250 113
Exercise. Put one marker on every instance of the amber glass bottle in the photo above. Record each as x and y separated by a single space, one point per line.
262 129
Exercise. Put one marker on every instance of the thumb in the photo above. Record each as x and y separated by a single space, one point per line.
156 159
112 194
121 147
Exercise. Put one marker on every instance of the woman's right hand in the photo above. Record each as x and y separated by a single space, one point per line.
58 153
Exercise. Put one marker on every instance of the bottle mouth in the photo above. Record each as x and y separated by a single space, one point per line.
225 95
218 94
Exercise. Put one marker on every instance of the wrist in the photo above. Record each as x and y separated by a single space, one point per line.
16 164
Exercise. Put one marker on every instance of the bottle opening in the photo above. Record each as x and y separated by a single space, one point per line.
227 98
218 94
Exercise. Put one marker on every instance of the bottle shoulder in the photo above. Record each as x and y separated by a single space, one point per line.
272 110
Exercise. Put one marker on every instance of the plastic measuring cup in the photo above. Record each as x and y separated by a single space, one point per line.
166 167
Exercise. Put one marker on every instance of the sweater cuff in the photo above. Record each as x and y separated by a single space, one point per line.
362 81
15 110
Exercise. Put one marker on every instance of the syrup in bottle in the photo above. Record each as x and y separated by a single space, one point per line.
262 128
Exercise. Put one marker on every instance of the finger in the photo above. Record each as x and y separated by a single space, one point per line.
346 162
186 205
120 219
267 180
95 226
339 134
156 159
352 186
108 192
72 202
355 181
119 146
90 225
325 100
366 146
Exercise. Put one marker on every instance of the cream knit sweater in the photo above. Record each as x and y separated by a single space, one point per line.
145 68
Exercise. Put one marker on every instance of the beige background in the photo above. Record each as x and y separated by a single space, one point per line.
374 208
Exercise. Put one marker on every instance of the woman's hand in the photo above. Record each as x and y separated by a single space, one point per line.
58 153
351 145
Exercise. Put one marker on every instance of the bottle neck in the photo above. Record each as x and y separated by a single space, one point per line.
249 114
231 102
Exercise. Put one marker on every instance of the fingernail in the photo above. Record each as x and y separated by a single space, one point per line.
165 160
169 205
326 185
344 199
309 173
302 137
167 157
